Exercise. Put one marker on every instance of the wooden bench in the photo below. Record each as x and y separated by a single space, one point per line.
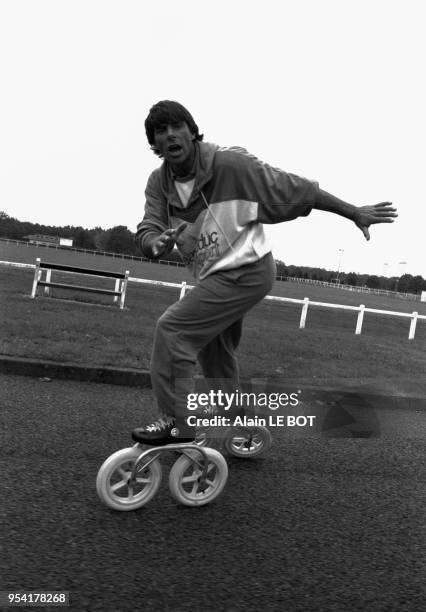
118 292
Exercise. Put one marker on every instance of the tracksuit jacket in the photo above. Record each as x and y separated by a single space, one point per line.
234 194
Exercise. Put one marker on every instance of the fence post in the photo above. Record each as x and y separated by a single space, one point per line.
183 289
304 313
360 319
37 275
413 325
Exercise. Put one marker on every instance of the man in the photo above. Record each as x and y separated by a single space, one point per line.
211 202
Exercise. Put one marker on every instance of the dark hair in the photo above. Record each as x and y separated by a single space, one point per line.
165 112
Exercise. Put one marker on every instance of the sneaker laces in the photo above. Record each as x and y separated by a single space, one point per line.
161 424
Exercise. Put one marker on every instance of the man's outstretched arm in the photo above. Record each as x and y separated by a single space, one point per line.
362 216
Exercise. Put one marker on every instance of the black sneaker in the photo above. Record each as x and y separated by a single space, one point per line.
160 432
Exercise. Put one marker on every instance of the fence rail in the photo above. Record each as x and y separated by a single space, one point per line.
356 289
306 302
414 316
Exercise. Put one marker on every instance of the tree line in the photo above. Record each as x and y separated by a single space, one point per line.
120 239
115 240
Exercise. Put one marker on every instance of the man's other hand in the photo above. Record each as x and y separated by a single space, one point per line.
377 213
170 236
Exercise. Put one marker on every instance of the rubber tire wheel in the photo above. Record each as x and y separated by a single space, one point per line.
117 468
235 443
184 475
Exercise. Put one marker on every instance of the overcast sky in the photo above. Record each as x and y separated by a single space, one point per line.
333 90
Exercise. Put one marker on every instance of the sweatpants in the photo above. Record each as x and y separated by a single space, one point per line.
205 325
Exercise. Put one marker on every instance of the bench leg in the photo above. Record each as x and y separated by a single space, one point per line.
48 277
117 288
123 289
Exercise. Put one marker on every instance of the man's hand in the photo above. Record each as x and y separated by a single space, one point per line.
378 213
170 236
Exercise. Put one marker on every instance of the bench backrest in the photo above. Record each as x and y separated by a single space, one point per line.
64 268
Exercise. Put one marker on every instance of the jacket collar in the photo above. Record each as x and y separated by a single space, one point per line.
203 166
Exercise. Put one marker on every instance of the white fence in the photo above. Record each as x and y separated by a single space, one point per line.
361 310
306 302
354 288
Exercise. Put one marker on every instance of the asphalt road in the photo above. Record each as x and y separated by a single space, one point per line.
331 520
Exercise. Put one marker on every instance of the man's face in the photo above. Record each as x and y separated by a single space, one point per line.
175 143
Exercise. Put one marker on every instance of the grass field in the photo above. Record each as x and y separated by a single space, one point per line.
325 352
